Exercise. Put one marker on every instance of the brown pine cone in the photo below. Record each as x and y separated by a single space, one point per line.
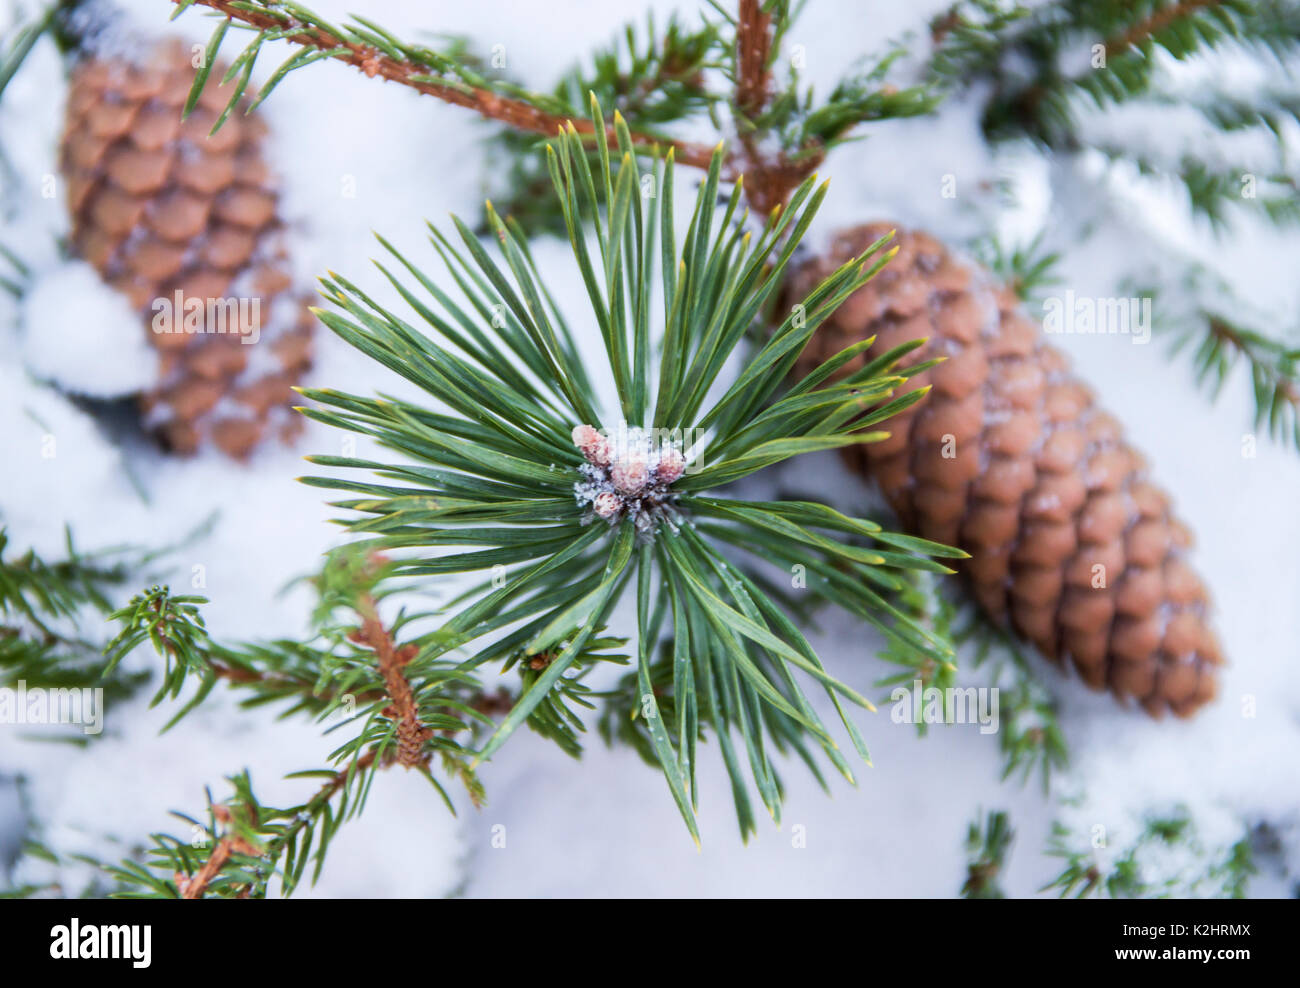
159 207
1009 458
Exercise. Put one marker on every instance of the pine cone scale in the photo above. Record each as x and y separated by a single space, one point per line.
160 206
1009 458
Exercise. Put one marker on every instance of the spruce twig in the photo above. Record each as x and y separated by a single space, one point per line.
359 672
806 131
1135 35
411 734
770 176
1274 368
753 51
408 66
1138 866
194 887
987 845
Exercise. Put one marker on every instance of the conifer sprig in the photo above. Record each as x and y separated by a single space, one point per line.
1028 58
451 74
1224 336
658 80
506 467
1138 867
51 612
353 675
988 843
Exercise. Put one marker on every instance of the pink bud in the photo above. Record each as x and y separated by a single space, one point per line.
630 473
594 446
606 505
671 465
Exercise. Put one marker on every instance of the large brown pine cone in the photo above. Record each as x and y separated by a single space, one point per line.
1010 459
158 206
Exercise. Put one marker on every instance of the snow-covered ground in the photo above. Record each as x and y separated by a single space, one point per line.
363 156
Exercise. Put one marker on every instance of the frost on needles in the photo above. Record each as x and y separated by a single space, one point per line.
509 462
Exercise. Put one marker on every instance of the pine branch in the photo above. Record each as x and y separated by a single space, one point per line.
754 38
653 77
1144 31
971 38
1025 269
45 610
411 734
1138 867
1029 733
1274 370
279 685
194 887
509 470
782 136
772 175
248 843
360 670
987 846
1195 315
42 592
922 600
1213 191
376 53
351 661
1023 53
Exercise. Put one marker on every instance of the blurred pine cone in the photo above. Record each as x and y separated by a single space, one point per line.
1009 459
158 207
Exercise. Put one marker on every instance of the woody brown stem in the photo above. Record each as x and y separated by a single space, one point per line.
1158 21
515 113
1229 336
194 888
769 177
411 734
1025 104
753 46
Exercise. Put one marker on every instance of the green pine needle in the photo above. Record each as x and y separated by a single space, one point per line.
489 474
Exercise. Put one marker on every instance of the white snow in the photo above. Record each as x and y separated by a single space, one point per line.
84 337
367 156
